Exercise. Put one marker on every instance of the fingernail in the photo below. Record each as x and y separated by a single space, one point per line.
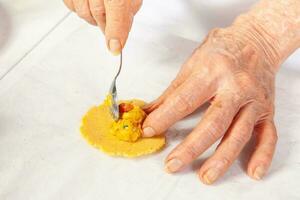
259 172
173 165
115 46
148 132
211 175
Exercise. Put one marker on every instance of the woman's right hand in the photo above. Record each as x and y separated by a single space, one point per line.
114 17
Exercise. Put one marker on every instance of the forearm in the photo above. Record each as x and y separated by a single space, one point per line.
272 27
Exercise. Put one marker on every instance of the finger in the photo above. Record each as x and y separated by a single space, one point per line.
230 147
213 126
69 4
118 23
82 9
261 158
195 91
182 75
98 12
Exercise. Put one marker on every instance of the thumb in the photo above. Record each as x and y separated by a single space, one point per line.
118 23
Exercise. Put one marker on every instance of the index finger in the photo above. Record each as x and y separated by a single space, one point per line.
195 91
118 23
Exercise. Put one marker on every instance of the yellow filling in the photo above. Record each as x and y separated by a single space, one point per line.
129 126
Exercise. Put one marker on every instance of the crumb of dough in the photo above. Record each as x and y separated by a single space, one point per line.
121 138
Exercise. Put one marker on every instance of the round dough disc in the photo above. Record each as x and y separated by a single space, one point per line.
95 129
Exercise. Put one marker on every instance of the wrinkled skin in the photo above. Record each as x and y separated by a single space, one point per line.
114 17
240 89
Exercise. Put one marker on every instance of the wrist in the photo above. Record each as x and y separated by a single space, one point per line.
248 33
272 28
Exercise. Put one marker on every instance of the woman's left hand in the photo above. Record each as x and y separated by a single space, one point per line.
239 84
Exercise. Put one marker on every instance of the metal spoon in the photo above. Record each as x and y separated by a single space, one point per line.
114 107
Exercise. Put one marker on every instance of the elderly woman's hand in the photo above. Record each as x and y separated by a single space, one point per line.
234 70
114 17
240 89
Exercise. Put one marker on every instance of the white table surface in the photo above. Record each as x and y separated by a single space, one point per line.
51 73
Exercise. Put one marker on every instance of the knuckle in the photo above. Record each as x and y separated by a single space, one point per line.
98 11
214 130
263 158
232 98
240 139
118 20
181 105
242 84
191 151
238 97
225 160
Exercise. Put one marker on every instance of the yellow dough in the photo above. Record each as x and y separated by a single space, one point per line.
101 131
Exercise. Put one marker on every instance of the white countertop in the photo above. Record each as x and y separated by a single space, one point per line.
53 67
